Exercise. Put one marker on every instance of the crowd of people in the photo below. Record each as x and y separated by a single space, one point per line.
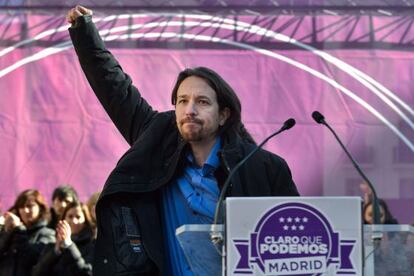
38 240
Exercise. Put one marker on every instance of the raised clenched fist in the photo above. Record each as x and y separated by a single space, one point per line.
76 12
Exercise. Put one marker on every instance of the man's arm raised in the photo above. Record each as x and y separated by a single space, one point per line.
114 89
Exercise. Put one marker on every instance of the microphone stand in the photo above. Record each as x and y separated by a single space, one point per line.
320 119
215 233
376 237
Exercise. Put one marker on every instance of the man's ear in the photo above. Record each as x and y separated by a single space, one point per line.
224 115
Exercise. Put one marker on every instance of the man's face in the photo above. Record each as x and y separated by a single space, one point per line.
59 205
197 111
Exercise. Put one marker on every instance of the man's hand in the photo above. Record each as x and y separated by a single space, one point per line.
76 12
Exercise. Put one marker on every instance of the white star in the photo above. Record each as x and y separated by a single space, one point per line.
286 227
297 219
293 227
282 219
289 219
301 227
305 219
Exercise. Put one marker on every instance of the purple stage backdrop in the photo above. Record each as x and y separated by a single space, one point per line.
54 131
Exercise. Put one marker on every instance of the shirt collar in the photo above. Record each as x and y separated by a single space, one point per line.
212 161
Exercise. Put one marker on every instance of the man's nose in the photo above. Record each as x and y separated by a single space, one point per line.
190 109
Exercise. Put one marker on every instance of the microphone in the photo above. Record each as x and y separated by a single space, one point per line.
320 119
216 236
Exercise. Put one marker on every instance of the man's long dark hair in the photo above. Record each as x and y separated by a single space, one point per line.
226 98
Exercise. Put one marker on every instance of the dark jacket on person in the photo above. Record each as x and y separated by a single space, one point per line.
20 248
54 219
130 228
75 260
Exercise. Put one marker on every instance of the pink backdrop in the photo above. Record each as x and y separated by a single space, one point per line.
54 131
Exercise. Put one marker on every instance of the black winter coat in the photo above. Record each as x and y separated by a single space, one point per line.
130 236
20 249
76 260
54 219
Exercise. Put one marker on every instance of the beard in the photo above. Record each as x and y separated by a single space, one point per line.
191 133
192 136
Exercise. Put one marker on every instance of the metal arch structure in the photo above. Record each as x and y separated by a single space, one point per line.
225 6
253 31
321 24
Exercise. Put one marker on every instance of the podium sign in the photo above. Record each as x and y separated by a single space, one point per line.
294 236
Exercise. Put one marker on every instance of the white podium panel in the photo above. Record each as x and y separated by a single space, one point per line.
294 236
389 250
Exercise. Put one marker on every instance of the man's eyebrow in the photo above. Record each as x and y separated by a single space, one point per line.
203 97
197 96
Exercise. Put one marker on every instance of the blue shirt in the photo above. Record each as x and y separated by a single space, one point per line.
190 199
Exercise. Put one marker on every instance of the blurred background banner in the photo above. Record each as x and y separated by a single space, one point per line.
351 60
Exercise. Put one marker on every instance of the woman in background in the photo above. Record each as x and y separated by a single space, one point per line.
25 234
91 203
385 215
73 252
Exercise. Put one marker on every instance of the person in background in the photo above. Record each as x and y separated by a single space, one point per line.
25 234
2 219
91 203
72 254
61 197
385 215
366 192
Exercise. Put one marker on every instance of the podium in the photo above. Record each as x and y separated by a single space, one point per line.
201 254
388 250
280 236
352 248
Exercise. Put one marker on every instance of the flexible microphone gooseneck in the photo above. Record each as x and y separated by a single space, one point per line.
320 119
215 234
